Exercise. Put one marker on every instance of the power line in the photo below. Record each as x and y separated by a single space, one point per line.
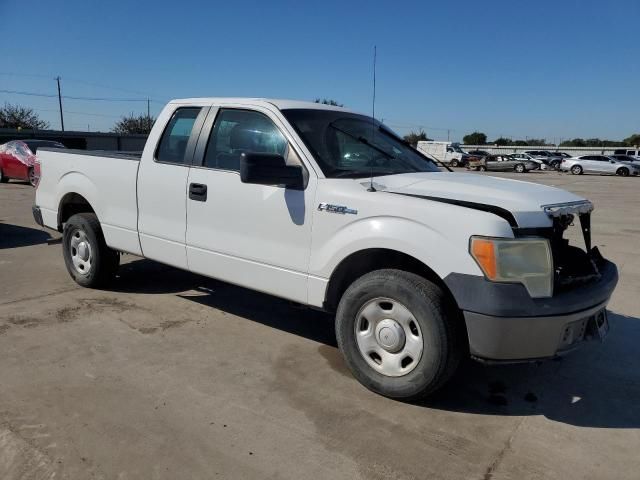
72 97
76 80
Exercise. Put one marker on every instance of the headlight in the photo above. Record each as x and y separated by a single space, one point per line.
527 261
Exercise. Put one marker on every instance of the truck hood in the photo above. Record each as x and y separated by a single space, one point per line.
530 204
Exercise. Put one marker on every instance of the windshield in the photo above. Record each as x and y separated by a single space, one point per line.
350 145
456 148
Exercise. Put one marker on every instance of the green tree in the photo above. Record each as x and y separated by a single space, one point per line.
414 137
633 140
576 142
475 138
15 116
133 124
328 101
502 142
521 143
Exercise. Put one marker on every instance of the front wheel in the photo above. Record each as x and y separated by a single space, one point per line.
454 163
3 177
89 261
399 334
623 172
519 168
576 170
482 168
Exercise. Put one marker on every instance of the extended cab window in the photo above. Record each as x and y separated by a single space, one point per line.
241 131
175 137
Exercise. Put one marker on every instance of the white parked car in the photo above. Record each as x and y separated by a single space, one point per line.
599 164
329 208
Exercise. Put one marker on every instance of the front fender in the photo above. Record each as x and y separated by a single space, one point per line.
440 253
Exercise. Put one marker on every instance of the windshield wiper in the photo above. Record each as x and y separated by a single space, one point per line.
340 173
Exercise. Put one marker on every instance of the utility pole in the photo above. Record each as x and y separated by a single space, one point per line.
148 117
447 134
60 103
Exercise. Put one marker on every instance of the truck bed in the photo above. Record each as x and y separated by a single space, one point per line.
106 180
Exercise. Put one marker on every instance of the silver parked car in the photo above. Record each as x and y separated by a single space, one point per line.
550 159
599 164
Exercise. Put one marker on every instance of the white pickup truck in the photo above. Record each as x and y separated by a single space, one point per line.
329 208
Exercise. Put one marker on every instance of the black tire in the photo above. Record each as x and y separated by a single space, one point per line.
623 172
576 170
454 162
482 168
32 177
3 178
519 168
104 261
439 325
555 165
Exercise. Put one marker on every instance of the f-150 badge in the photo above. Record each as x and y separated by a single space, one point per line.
341 209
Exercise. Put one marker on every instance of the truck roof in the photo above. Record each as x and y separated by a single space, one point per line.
281 104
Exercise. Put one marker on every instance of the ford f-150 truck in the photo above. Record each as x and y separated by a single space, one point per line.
329 208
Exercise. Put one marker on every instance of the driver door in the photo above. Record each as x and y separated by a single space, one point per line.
257 236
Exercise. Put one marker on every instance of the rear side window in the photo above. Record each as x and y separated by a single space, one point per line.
241 131
631 152
175 137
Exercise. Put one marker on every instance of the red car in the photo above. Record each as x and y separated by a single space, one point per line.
18 159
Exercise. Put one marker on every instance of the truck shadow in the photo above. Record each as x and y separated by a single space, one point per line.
14 236
597 386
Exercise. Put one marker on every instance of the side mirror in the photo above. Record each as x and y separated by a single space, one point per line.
270 169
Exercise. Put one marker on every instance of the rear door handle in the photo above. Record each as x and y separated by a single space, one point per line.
198 192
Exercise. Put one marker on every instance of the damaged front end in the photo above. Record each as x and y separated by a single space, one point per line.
573 266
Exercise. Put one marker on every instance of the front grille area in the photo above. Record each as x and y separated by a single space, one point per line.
573 266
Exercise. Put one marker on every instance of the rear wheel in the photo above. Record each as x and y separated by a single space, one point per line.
576 170
519 168
399 334
482 168
555 164
89 261
32 177
623 172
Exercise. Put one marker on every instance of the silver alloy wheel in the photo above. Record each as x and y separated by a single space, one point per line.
32 177
576 169
80 251
388 337
520 168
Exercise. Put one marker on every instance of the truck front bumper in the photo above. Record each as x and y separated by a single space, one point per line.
505 324
504 339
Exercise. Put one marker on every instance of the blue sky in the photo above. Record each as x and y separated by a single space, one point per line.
552 69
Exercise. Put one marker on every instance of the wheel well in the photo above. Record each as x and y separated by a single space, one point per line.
71 204
365 261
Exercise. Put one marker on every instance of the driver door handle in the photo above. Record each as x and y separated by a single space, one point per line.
198 192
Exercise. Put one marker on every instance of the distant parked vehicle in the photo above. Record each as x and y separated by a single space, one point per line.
627 158
599 164
445 152
18 158
550 159
525 157
562 154
479 153
503 163
631 152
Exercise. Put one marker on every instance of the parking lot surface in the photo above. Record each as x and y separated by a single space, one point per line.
169 375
